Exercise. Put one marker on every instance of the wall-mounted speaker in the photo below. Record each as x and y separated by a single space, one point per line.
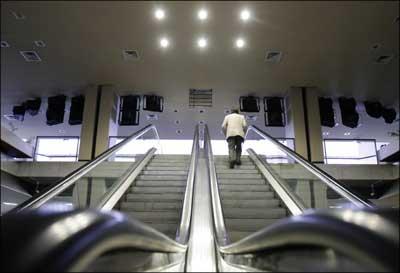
249 104
33 106
76 110
274 111
373 108
19 112
389 115
326 112
348 111
129 110
55 110
153 103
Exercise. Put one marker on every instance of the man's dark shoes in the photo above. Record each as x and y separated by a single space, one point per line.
231 164
238 162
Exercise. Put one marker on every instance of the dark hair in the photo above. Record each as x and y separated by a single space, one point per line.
235 111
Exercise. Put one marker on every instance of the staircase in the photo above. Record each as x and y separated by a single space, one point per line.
248 202
156 196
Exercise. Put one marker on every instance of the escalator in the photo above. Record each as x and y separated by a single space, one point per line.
158 212
114 212
279 217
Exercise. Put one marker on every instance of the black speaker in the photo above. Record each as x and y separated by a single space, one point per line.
129 110
274 112
389 115
33 106
348 111
326 112
76 110
249 104
153 103
19 112
373 108
55 110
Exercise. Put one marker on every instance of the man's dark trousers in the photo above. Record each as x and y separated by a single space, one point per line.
235 148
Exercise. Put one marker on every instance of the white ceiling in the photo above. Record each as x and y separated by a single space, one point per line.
324 44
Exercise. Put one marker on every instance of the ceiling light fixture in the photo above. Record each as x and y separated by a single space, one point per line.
164 42
240 43
245 15
347 133
202 42
159 14
202 14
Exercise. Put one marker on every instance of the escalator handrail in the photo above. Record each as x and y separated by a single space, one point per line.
330 181
186 215
222 236
71 178
357 233
71 240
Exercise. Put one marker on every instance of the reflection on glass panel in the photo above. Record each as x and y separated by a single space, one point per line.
57 149
346 151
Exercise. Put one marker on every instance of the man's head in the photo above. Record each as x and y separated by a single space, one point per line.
235 111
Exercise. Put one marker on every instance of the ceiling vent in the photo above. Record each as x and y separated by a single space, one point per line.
18 15
130 55
40 43
273 56
4 44
383 59
30 56
200 97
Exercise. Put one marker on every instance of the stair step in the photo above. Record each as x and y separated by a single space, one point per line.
239 175
165 168
231 181
136 189
168 229
243 188
237 171
165 172
155 216
154 197
162 177
166 160
240 167
149 206
252 213
264 203
246 195
250 225
160 183
168 163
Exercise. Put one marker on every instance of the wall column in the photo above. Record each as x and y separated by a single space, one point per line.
107 120
295 127
314 126
87 138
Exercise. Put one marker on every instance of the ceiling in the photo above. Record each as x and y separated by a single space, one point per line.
324 44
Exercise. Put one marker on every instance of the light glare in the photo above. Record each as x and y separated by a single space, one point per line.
164 42
245 15
160 14
240 43
202 42
203 14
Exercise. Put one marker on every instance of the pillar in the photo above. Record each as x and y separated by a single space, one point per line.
88 134
107 120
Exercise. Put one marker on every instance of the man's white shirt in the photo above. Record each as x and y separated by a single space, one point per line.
235 125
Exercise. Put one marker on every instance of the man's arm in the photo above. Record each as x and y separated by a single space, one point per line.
244 124
224 125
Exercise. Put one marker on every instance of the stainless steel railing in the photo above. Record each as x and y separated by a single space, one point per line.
323 176
70 179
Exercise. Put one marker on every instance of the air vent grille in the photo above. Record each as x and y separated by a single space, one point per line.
130 55
31 56
273 56
200 97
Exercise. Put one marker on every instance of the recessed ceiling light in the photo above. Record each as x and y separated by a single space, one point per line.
347 133
164 42
240 43
202 14
325 133
245 15
202 42
40 43
5 44
159 14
